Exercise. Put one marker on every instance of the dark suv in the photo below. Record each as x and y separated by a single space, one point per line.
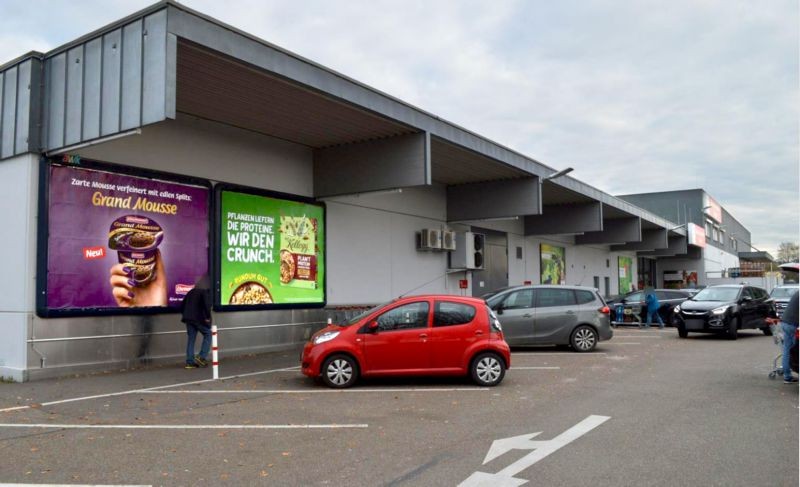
725 309
781 296
667 299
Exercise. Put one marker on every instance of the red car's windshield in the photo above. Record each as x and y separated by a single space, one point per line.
355 319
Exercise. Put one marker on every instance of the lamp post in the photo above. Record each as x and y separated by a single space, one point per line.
558 174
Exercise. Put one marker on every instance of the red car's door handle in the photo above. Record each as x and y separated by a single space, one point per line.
423 335
479 332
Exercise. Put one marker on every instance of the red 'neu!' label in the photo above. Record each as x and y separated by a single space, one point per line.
90 253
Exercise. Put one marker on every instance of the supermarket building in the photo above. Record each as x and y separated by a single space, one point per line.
227 154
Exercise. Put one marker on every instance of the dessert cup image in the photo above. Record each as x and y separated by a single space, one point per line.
142 266
136 239
134 233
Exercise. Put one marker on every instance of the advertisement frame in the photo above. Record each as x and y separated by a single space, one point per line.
628 273
43 230
563 251
217 257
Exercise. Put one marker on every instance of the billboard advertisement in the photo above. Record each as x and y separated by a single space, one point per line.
625 265
272 250
696 235
553 264
712 208
119 241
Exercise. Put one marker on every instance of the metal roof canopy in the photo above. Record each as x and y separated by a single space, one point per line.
168 58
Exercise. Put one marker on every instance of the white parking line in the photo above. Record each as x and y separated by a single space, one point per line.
574 354
535 368
321 391
637 336
133 391
186 426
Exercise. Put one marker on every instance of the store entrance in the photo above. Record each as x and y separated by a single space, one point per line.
495 270
646 270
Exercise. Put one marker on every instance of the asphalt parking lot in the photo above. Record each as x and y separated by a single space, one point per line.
645 408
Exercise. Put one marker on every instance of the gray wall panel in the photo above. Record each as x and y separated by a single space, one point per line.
395 162
154 88
617 231
2 105
652 239
112 80
56 97
92 69
23 107
564 219
131 115
494 199
9 112
74 110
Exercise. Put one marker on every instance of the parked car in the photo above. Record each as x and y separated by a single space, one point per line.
416 335
552 315
781 296
667 298
725 309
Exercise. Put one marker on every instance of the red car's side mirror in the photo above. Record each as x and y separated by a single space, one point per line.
373 326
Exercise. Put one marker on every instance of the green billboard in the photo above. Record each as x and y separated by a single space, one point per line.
272 251
625 265
553 264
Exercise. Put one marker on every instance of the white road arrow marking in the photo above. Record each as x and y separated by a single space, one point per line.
521 442
541 449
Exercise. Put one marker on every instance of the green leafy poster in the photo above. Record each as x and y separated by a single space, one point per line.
625 274
272 251
553 265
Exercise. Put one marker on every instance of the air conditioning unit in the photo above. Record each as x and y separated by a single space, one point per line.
469 251
430 239
448 240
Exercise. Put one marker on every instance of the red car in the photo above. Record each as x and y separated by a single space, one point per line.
417 335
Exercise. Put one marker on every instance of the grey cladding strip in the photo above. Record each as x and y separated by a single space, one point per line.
493 199
110 83
676 246
652 239
9 112
567 218
395 162
617 231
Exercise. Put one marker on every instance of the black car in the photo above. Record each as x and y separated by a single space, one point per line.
667 298
725 309
781 296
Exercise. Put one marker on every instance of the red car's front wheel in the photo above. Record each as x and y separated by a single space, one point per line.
339 371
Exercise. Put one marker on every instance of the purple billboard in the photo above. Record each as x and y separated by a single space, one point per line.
120 241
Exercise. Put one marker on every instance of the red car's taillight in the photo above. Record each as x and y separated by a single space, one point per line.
605 310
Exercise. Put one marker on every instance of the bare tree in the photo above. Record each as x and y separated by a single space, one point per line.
788 252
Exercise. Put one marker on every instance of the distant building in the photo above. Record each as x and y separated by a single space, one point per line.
717 242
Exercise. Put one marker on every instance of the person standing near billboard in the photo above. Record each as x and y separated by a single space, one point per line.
196 314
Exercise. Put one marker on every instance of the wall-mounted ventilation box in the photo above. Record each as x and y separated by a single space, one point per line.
448 240
430 239
469 250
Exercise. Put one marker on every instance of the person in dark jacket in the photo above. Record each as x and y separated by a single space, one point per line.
196 313
789 322
651 300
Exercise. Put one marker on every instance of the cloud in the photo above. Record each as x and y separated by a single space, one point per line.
636 96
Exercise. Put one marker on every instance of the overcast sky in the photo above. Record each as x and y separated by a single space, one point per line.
637 96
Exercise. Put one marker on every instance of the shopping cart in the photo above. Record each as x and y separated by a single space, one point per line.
777 337
627 315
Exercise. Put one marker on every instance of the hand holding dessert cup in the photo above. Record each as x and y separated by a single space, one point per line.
136 286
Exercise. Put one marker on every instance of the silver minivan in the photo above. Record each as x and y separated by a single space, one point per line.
552 315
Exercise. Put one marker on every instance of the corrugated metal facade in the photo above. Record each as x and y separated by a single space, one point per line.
20 113
114 82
